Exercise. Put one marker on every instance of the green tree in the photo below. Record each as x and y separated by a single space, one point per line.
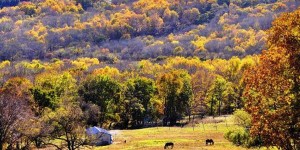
104 92
216 96
137 96
44 98
175 90
50 88
241 136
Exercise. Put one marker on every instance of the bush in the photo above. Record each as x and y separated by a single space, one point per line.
237 137
242 118
242 137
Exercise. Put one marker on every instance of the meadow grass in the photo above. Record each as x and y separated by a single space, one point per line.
189 137
186 138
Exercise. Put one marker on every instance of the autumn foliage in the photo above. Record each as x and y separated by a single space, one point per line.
118 64
135 30
272 88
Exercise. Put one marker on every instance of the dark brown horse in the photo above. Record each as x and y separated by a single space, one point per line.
169 144
209 141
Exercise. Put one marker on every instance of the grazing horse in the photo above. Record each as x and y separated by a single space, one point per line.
169 144
209 141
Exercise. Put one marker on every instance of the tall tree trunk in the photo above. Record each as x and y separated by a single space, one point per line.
126 122
173 121
69 145
73 144
211 109
219 107
1 145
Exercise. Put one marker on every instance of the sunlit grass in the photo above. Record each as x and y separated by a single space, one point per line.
186 138
190 137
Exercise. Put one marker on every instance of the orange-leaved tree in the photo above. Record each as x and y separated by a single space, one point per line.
273 87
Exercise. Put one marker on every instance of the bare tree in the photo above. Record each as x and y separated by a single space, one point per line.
13 112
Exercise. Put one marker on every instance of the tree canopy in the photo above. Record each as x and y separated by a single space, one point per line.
272 88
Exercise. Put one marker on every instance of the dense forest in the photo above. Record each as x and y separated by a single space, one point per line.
118 64
135 30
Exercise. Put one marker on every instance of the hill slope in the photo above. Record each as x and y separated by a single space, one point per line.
134 30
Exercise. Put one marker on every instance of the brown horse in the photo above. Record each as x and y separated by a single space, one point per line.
209 141
169 144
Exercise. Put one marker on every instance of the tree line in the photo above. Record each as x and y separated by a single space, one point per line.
66 96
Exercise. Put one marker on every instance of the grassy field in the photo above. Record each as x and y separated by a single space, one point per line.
185 138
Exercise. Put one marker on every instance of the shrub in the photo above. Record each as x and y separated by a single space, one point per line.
242 137
242 118
237 137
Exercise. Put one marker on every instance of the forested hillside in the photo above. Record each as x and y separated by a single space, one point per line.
66 65
135 30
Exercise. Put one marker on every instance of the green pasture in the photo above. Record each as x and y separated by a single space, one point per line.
190 137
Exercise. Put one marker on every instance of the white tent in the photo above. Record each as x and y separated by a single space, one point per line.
99 136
